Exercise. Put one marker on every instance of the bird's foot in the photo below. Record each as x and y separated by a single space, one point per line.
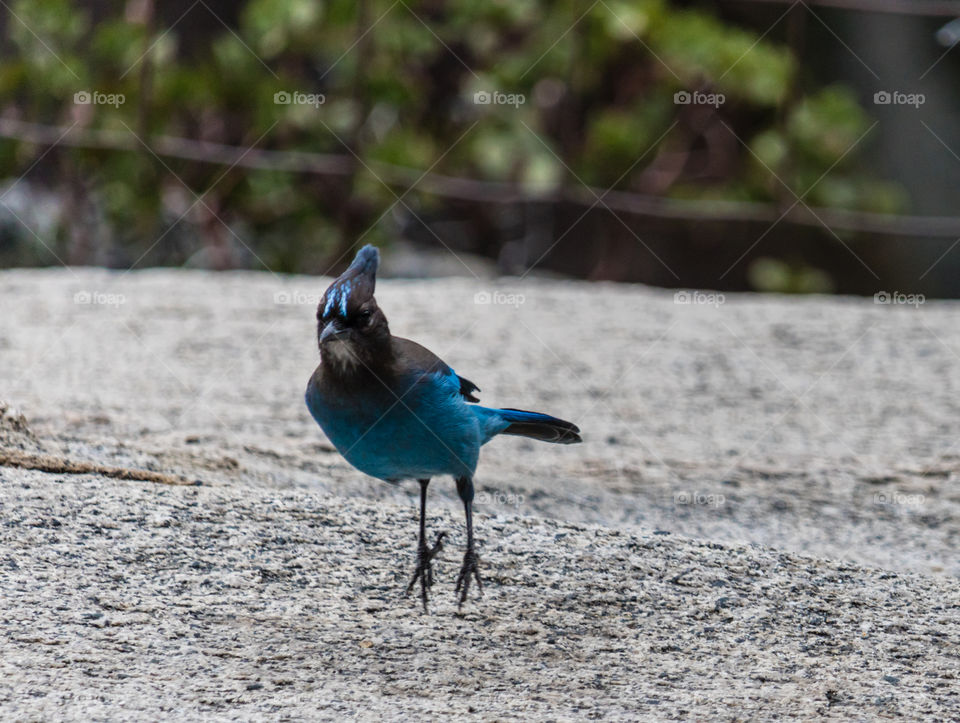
470 560
424 571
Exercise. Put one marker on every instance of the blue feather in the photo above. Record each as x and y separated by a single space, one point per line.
420 428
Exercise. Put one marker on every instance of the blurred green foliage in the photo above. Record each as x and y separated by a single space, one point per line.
399 83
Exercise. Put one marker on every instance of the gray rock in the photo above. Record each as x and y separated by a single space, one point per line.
761 523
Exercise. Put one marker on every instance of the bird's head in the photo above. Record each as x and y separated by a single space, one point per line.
351 328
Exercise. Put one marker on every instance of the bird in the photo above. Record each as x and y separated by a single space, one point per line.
396 411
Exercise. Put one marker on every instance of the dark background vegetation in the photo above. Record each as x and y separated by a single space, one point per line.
797 182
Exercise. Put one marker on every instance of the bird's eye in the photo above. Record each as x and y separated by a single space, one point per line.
364 316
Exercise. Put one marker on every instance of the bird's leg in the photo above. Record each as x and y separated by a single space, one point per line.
470 559
425 555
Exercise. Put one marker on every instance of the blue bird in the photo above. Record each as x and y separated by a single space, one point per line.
395 411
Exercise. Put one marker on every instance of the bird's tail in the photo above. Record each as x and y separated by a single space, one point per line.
538 426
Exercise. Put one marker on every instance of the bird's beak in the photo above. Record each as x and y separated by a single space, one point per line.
331 330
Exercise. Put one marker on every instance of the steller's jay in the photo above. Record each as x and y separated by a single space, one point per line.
395 411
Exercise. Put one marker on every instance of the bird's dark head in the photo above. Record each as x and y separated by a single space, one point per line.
351 328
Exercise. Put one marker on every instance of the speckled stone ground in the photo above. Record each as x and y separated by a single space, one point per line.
762 522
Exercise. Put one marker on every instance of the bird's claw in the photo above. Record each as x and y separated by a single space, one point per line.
470 560
424 570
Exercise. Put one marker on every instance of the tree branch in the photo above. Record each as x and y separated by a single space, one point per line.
468 189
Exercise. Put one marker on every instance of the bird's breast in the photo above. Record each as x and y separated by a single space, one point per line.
397 431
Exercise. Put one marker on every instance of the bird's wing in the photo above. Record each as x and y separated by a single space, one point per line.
467 388
413 357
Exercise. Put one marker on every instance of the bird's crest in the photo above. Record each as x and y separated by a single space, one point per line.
353 287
